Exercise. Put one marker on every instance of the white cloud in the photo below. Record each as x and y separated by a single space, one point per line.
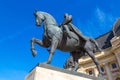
104 19
100 15
98 24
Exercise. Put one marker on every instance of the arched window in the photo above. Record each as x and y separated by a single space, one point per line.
90 71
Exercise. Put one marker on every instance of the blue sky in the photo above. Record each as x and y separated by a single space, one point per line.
17 27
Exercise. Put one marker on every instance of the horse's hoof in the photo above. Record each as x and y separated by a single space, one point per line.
46 62
34 53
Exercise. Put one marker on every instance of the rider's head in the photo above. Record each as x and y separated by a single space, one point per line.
67 19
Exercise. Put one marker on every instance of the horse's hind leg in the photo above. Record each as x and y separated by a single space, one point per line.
76 66
75 61
90 53
33 41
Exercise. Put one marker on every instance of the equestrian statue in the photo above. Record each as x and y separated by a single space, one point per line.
65 37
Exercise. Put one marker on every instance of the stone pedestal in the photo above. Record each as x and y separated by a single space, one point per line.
47 72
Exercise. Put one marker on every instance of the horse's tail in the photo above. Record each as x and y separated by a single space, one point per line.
96 44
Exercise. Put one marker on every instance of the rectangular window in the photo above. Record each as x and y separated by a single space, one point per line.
114 65
102 69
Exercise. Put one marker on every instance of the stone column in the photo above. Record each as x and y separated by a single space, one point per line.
96 72
109 75
117 55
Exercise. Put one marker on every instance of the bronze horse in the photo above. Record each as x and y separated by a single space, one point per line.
55 38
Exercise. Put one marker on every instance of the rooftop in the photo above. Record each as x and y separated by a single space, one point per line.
104 40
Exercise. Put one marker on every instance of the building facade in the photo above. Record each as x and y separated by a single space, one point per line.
109 58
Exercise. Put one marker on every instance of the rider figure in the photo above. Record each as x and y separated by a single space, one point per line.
68 26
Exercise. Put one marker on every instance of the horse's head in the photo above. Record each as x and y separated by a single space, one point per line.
39 17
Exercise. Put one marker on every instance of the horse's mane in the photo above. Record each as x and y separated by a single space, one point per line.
48 16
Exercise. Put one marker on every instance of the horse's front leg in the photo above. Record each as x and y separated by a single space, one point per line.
33 41
54 45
